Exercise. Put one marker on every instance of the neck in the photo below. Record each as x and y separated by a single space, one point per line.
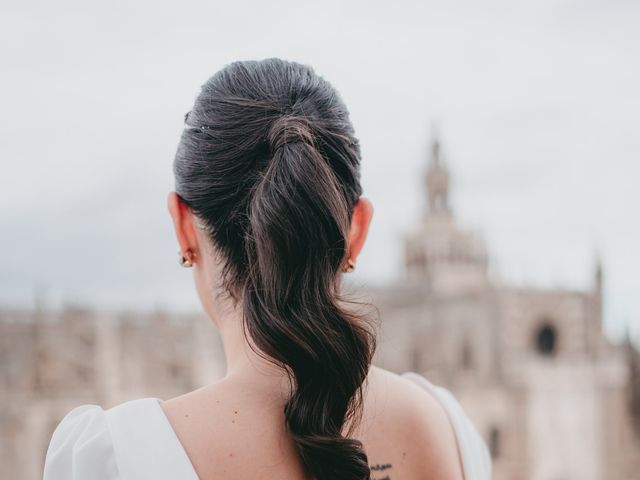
242 362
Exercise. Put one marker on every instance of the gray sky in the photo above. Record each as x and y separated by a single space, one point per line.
537 105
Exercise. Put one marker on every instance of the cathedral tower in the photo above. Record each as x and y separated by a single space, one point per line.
438 252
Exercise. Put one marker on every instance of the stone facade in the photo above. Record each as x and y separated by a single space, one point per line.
532 367
51 362
553 398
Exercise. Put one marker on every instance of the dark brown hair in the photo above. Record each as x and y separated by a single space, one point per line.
270 165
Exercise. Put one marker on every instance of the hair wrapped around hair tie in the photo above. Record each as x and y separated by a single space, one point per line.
289 129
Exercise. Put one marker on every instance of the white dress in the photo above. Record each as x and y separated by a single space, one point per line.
134 440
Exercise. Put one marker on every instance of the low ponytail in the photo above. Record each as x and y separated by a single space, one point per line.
299 223
285 240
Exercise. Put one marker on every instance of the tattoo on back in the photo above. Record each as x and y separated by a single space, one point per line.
380 469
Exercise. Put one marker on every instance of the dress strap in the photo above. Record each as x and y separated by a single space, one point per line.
476 460
145 444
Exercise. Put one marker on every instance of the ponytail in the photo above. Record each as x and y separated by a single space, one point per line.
299 224
286 239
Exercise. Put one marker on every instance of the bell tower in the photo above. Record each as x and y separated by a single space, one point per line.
437 182
438 253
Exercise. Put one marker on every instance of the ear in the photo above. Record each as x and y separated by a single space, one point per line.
360 221
182 223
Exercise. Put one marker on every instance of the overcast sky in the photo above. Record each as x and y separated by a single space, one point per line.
537 105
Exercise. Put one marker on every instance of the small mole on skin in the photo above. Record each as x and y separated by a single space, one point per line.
233 421
235 411
186 414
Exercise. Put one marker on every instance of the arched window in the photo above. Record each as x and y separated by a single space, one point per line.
466 355
416 358
546 339
494 442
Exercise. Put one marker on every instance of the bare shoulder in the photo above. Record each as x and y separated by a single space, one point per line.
240 430
234 431
411 414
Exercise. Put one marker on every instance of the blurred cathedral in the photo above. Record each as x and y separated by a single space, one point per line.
553 398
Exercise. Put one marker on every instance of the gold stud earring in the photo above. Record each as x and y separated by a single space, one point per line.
187 259
351 267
